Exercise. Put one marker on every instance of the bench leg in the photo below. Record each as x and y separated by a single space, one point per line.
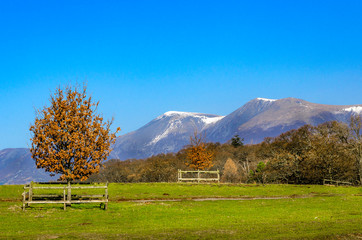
24 201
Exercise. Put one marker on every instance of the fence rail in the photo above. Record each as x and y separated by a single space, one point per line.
198 177
334 182
32 196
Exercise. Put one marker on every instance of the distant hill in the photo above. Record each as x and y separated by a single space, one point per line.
257 119
17 167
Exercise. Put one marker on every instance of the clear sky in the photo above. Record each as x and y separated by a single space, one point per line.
143 58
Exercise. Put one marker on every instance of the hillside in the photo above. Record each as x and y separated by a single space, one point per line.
17 167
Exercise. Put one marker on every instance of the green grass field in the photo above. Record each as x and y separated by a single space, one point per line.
304 212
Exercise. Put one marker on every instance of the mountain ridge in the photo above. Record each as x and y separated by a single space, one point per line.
270 117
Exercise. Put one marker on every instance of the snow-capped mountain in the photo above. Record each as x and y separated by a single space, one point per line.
262 118
166 133
257 119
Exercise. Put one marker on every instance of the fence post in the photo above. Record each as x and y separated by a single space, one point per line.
198 175
24 198
69 198
178 175
30 192
218 176
64 200
106 203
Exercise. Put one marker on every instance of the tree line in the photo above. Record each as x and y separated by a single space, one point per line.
307 155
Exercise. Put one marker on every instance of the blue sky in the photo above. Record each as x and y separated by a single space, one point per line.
143 58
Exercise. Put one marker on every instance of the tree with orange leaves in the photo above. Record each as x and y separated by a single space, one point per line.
198 156
69 138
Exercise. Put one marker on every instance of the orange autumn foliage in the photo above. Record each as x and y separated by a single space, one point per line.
68 138
198 156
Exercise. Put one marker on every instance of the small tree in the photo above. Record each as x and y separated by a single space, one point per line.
230 173
198 156
68 138
259 173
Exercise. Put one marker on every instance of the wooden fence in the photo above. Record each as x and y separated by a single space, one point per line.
333 182
62 194
198 176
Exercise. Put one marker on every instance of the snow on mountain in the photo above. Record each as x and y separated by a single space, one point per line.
177 120
207 118
266 99
177 113
211 120
174 125
354 109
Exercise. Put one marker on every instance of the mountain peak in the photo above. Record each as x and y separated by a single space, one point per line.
354 109
266 99
206 118
178 113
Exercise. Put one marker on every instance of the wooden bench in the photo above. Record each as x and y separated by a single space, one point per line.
46 192
198 176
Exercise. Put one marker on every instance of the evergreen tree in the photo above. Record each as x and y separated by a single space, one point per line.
236 141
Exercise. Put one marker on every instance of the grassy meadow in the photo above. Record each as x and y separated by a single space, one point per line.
296 212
